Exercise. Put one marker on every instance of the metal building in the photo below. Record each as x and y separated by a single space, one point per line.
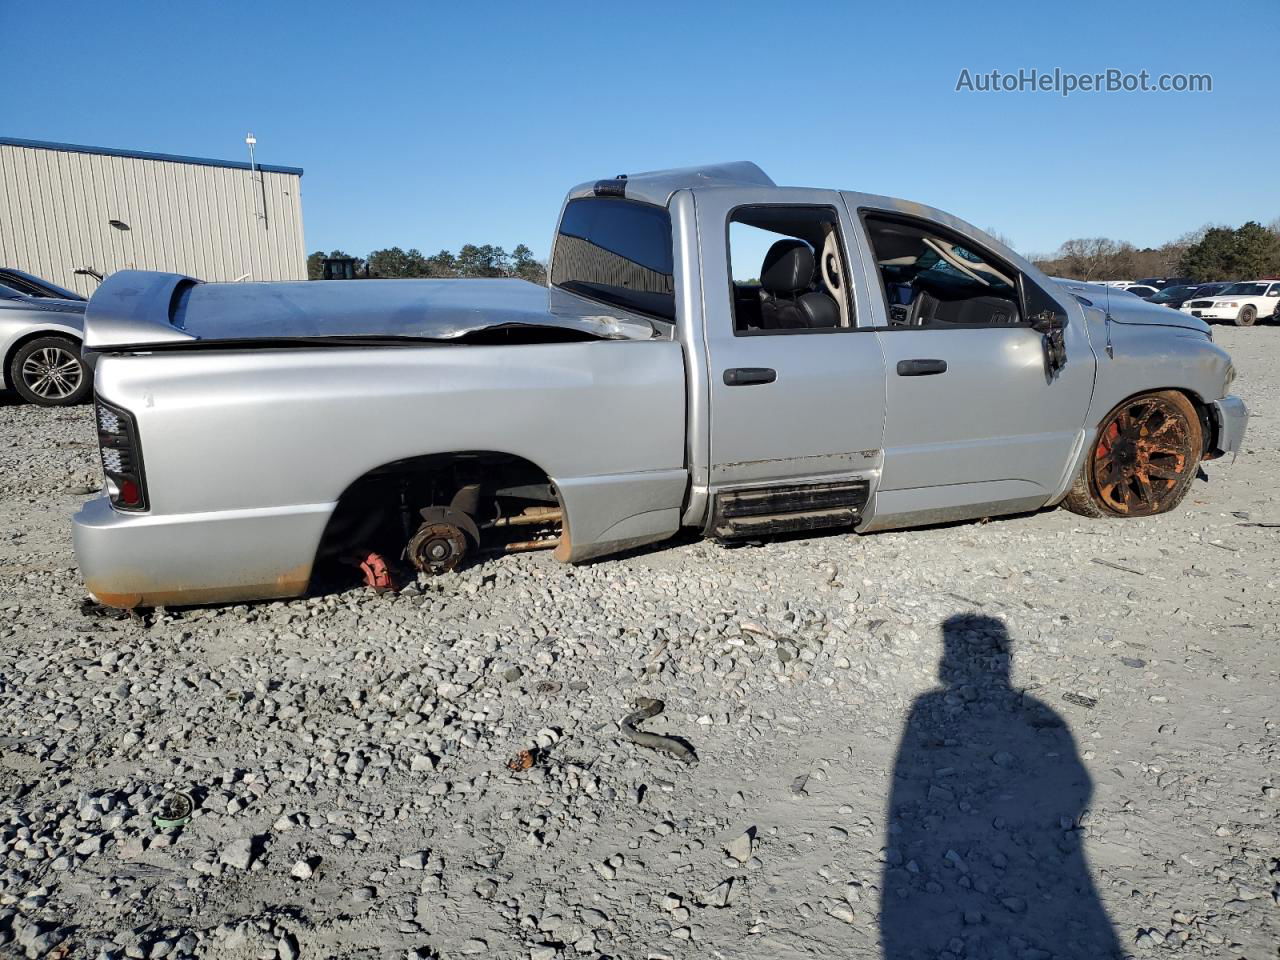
66 208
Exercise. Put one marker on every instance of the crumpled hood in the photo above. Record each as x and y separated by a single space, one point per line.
1126 308
135 308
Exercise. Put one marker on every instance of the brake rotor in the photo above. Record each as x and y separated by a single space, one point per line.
437 548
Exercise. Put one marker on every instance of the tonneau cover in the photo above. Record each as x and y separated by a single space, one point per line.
140 308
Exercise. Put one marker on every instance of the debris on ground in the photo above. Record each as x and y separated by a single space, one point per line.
647 707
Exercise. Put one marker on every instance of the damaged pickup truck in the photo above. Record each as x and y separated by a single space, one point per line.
713 352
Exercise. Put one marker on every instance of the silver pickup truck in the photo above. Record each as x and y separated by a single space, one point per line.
712 352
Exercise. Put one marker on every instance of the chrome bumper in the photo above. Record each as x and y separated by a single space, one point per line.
1232 416
142 560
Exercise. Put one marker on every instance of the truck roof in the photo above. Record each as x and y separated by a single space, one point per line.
657 186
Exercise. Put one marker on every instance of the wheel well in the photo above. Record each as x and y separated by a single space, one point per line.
26 338
380 510
1208 425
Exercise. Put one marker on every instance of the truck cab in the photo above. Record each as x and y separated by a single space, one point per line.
820 393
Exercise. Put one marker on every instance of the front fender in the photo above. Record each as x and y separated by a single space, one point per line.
1145 357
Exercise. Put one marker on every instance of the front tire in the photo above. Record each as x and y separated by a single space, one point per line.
1247 317
48 372
1146 453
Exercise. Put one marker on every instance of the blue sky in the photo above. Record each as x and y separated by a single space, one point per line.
431 125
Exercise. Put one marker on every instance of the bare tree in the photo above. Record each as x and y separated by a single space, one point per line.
1088 258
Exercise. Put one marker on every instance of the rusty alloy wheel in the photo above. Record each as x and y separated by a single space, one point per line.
437 548
1147 452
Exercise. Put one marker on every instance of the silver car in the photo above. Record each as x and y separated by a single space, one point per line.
713 352
41 331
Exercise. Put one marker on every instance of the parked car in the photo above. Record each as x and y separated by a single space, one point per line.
40 340
1176 296
33 286
1163 283
1242 303
708 355
1140 290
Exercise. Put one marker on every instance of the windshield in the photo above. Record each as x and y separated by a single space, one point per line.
1244 290
1172 293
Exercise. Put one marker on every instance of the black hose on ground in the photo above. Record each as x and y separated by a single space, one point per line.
648 707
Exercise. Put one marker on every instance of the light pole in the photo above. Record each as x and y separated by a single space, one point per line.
259 214
252 141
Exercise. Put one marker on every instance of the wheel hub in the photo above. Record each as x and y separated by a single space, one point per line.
437 548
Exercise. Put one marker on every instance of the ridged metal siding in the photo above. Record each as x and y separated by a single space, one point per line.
204 221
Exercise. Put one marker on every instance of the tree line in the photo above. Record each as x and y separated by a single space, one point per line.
470 261
1208 254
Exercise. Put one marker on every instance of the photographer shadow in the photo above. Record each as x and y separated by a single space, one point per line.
984 853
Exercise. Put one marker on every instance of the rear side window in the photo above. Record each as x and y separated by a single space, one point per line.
619 252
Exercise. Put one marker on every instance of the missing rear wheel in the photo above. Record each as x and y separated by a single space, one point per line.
437 548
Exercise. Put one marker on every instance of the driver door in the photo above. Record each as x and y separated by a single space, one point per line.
977 420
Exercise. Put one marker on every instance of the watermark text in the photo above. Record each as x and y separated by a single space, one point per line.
1065 83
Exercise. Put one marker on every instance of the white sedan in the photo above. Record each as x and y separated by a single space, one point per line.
1241 303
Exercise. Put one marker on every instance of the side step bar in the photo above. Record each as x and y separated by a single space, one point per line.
764 511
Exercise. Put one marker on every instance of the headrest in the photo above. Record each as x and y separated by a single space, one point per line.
819 310
787 267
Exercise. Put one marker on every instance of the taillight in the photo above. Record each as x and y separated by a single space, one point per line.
121 458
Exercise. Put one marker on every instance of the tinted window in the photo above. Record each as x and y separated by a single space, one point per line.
1245 290
617 251
23 286
1172 293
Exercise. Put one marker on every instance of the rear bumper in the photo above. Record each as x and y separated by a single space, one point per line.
142 560
1232 417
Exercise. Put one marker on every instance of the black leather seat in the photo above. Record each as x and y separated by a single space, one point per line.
786 300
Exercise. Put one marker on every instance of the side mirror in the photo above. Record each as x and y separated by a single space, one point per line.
1050 326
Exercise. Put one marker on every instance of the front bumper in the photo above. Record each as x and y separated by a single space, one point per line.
143 560
1232 417
1212 313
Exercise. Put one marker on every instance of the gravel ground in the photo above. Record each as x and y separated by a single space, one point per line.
1093 772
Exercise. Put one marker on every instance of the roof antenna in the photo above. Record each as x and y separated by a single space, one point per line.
1111 351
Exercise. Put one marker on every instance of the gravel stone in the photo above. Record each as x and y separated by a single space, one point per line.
377 728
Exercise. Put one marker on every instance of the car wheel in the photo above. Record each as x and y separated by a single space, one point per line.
1247 317
1146 453
48 372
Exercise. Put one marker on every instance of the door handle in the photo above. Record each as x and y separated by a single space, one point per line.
745 376
921 368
